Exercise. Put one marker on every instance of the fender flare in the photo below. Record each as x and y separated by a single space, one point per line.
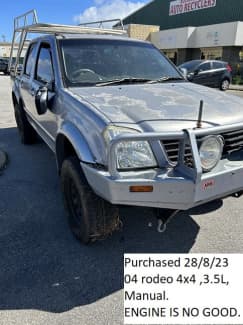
15 94
70 132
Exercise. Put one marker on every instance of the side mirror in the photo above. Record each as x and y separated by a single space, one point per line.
196 72
41 100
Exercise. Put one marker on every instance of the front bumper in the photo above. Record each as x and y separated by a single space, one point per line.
177 187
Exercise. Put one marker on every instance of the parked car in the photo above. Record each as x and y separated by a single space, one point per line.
126 127
4 65
210 73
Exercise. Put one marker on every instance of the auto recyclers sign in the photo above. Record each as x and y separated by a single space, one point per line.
183 6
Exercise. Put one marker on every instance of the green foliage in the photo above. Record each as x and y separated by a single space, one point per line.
237 80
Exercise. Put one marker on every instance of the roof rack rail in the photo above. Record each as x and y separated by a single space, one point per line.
28 23
100 23
20 22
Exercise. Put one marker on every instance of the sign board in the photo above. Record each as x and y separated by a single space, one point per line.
178 7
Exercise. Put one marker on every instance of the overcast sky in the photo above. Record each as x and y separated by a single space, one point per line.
65 11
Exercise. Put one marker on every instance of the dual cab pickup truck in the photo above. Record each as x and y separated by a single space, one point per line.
126 128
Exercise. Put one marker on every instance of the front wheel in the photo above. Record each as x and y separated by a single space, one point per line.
224 85
90 217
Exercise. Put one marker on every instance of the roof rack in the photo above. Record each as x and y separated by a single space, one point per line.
100 23
28 23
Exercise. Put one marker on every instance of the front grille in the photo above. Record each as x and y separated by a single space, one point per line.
172 150
233 141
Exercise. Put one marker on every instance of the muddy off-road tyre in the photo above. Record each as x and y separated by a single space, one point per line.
90 217
26 131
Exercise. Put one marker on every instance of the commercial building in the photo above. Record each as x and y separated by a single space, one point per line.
5 49
194 29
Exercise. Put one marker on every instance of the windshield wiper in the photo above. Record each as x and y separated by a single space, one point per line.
130 80
165 78
126 80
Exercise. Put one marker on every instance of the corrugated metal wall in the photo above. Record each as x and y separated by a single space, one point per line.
157 13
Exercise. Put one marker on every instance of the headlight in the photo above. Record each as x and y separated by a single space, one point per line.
130 154
134 154
210 151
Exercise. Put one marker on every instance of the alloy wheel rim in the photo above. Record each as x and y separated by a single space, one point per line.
225 84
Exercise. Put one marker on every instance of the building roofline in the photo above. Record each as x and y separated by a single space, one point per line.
142 7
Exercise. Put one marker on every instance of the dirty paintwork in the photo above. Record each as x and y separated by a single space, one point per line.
174 102
159 111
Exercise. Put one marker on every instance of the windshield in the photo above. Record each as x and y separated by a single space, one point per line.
94 61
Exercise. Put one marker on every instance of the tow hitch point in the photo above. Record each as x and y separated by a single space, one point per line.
164 216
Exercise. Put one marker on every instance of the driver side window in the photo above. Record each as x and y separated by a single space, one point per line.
44 69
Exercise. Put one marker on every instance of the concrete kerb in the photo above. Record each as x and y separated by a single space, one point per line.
3 160
236 87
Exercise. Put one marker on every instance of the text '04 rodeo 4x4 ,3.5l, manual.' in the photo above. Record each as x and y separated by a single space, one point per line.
125 126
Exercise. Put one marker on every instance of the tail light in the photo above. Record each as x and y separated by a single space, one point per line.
228 67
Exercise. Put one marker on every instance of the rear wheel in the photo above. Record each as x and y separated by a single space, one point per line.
26 131
224 85
90 217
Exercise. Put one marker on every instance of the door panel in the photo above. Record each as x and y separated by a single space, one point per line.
218 70
203 75
44 76
26 80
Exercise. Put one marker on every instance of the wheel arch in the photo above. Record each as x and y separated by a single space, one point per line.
71 142
16 98
225 78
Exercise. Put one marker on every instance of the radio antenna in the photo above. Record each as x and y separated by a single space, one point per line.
199 120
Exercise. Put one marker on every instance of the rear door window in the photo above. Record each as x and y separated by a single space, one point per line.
205 66
217 65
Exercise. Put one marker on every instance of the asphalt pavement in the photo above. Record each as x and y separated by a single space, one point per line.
46 275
